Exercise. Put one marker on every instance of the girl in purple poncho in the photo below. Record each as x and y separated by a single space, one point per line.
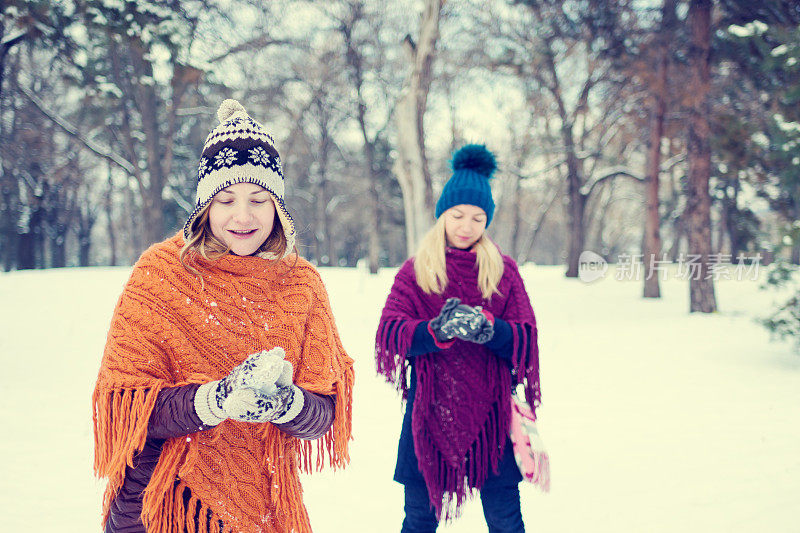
457 333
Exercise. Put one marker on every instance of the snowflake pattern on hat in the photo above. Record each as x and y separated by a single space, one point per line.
203 167
258 155
230 158
224 158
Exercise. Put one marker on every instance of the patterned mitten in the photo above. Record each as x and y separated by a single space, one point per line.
272 398
263 371
251 405
470 324
445 314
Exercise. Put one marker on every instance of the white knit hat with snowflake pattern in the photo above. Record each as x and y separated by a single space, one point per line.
239 150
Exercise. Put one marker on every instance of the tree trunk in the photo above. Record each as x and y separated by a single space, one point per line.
26 250
84 249
142 99
516 205
794 257
86 219
356 62
136 244
322 229
652 233
729 216
149 106
374 198
9 215
576 210
109 205
577 205
411 165
701 290
29 241
58 247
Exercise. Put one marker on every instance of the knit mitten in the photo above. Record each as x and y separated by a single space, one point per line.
251 405
471 324
445 314
265 372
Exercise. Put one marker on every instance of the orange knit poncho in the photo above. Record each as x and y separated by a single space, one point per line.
168 330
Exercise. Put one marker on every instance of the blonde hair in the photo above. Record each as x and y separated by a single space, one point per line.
431 269
202 242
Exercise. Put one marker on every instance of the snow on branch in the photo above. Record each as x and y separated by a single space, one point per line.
672 161
9 43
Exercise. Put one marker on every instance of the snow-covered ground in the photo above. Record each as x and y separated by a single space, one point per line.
656 420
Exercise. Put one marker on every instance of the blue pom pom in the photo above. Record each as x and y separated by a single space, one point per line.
475 157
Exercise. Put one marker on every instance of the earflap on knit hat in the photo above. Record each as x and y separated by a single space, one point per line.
240 150
473 166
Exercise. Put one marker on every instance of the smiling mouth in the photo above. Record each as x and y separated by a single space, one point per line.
242 233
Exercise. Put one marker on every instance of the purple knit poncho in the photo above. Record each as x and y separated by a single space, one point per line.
461 411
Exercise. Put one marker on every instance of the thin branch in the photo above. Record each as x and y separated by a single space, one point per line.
608 174
193 111
538 172
537 225
11 42
672 161
72 131
174 192
253 44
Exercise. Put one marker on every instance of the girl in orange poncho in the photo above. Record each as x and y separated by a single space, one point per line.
222 361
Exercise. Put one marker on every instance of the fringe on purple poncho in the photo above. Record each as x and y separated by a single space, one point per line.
461 410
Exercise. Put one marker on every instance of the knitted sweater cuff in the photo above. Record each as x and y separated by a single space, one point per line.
205 404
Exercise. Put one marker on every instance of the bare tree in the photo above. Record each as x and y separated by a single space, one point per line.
561 48
356 21
411 165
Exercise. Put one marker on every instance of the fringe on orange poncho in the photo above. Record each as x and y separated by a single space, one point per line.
169 330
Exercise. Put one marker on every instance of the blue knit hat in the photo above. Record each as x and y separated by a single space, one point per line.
473 166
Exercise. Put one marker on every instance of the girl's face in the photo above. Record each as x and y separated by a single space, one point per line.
463 225
242 216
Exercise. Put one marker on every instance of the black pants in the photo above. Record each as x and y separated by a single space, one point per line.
501 508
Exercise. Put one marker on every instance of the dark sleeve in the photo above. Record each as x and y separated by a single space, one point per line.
502 343
314 419
173 414
423 341
126 508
